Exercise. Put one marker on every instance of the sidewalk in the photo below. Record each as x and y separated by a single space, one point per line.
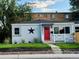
26 52
55 49
41 56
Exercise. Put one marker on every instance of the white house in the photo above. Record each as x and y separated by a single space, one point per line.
46 31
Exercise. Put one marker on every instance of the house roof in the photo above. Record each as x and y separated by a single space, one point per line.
50 13
42 21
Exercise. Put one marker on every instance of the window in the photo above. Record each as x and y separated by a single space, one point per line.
45 15
56 30
40 15
67 30
16 30
61 30
76 29
53 16
66 16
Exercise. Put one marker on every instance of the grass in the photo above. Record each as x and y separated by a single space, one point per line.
29 45
68 45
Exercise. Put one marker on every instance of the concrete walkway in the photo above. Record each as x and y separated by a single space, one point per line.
55 49
41 56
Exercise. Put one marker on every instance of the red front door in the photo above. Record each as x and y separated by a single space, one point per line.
47 33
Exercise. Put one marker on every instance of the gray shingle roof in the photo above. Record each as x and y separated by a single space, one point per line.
43 21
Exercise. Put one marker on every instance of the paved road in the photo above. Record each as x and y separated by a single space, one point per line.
41 56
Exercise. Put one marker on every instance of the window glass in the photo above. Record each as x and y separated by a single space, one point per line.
76 29
67 30
66 16
45 15
53 16
56 30
16 30
61 30
40 15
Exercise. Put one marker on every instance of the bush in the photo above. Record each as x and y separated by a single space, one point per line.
37 40
7 41
23 41
15 42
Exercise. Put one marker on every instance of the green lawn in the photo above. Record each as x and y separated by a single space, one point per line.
68 45
29 45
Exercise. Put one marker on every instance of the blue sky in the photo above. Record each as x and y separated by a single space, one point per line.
48 5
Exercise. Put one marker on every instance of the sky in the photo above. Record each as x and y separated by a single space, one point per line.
48 5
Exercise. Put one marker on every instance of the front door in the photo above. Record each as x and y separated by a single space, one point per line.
47 33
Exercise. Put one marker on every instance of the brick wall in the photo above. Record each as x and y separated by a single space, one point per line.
41 16
50 16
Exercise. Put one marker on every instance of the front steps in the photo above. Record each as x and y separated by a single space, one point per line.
48 42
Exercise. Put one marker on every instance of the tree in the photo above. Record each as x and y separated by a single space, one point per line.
25 12
75 9
9 13
75 5
6 11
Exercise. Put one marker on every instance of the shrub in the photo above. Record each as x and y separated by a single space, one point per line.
15 42
37 40
23 41
29 42
7 41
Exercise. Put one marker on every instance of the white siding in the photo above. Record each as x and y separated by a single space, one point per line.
63 37
24 33
39 32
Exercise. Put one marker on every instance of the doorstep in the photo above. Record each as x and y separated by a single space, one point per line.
48 42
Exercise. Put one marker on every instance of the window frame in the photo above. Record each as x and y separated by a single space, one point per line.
67 16
63 29
76 29
62 32
16 30
57 29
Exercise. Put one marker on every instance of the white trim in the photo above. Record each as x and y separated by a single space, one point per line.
24 24
42 33
13 32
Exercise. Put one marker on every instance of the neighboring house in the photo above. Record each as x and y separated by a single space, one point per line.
58 16
54 16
